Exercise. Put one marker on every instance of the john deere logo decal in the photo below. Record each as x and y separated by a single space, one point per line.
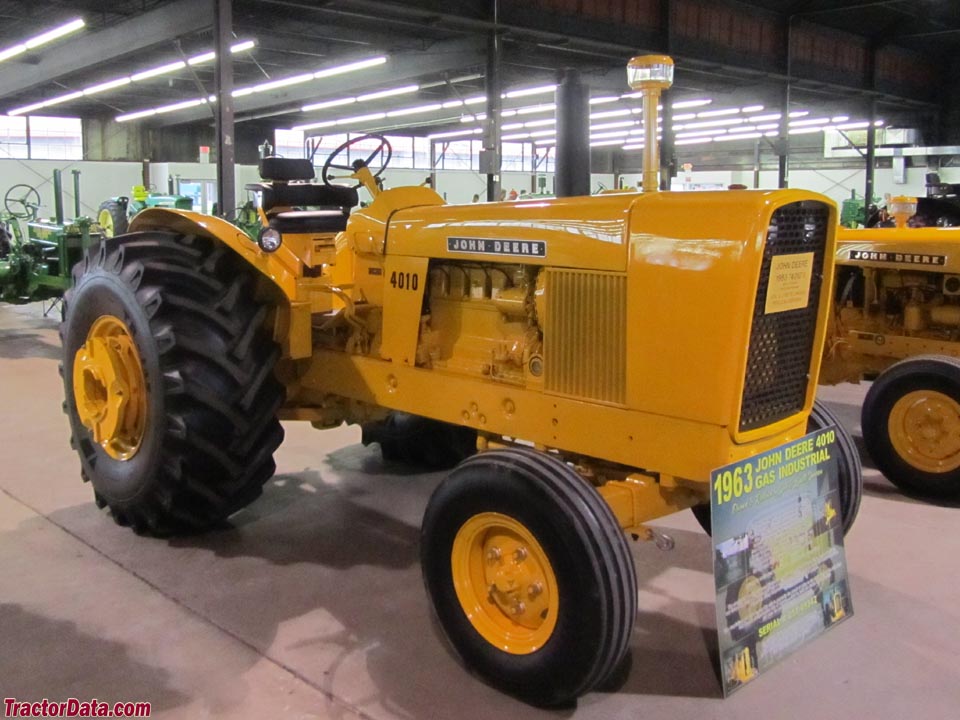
485 246
908 258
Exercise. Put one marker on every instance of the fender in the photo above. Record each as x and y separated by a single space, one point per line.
282 267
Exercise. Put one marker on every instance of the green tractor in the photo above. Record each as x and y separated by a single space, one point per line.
38 267
114 215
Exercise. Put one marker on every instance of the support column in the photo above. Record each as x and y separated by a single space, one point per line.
490 156
756 164
573 136
668 160
870 157
783 142
226 151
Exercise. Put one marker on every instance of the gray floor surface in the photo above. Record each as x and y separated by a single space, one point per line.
311 605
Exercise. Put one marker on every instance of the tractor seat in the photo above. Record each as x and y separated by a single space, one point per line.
281 194
310 221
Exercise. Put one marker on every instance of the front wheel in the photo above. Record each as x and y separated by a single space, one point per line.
168 376
911 426
112 218
529 574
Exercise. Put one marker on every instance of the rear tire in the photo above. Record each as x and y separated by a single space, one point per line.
590 577
206 444
112 218
850 480
911 426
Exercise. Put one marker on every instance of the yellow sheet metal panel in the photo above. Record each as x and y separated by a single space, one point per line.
636 439
693 279
282 267
404 282
928 248
586 233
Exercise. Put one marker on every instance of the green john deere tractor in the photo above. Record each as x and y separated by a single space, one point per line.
37 267
114 215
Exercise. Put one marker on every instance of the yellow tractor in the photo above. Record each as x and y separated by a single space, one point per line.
896 321
583 362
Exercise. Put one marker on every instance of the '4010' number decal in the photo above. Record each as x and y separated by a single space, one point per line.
404 280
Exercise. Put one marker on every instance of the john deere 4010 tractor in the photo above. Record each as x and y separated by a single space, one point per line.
584 362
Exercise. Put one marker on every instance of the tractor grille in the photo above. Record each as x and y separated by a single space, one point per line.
781 343
585 343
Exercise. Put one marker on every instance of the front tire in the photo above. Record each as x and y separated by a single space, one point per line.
529 574
112 218
911 426
169 384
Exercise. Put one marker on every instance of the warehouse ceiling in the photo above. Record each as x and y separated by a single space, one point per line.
133 60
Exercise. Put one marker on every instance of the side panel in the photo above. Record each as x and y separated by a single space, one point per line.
404 282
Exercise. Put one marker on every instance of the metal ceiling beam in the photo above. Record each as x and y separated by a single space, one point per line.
90 49
400 68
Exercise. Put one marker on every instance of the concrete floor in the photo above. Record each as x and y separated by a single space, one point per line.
311 604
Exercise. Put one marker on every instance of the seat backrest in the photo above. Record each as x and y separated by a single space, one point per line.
286 169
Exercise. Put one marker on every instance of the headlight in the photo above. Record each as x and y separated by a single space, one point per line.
270 240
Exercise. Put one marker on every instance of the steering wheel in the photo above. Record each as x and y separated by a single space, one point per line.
24 197
383 149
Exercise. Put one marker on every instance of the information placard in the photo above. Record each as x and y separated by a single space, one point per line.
779 565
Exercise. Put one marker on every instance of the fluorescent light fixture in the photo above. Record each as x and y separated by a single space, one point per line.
511 126
540 123
328 104
315 125
41 39
684 116
751 108
634 146
718 113
454 133
700 133
205 57
529 91
261 87
452 104
768 126
690 103
533 109
805 130
761 118
615 124
853 125
279 83
610 134
709 123
161 70
610 114
515 136
473 118
738 136
839 118
602 143
136 77
694 141
109 85
362 118
350 67
543 133
810 121
799 113
475 100
878 123
604 99
414 110
160 110
405 90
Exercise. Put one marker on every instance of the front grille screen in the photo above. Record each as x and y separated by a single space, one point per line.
781 343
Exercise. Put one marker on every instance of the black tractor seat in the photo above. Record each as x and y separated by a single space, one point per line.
310 221
287 194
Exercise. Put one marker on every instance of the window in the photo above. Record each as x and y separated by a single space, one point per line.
402 151
56 138
288 143
13 137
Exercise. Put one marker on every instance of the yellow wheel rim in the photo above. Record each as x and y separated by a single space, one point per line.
924 428
505 583
105 221
750 599
109 388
